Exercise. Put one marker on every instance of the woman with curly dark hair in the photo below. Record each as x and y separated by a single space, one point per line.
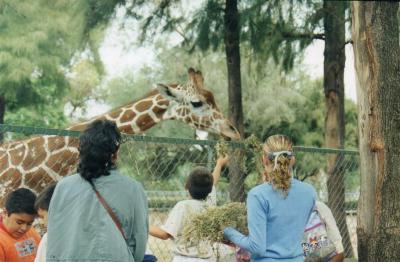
98 214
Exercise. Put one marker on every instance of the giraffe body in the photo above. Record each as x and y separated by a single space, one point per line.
38 161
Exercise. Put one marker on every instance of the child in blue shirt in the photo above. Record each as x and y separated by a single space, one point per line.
278 210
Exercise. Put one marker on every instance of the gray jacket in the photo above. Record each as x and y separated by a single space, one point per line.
80 229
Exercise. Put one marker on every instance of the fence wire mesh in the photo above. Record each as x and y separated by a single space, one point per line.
163 164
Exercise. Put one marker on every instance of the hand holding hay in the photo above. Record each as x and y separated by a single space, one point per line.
209 225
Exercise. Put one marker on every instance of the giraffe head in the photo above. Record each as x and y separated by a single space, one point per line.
195 105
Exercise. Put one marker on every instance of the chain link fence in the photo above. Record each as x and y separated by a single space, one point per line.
163 164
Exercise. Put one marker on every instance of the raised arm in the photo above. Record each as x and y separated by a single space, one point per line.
221 162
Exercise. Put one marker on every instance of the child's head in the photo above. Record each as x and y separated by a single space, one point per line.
42 202
278 160
19 212
199 183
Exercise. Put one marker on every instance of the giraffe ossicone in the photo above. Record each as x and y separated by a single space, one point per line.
40 160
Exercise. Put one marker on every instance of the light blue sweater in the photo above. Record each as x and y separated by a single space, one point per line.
276 224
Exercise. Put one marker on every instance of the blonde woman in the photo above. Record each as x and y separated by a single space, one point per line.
278 210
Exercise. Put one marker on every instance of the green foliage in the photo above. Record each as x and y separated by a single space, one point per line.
100 11
83 79
277 29
38 40
44 115
280 29
51 116
35 39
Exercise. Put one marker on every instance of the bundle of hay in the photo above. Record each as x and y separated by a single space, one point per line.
209 225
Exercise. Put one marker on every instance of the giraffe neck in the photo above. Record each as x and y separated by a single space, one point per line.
135 117
37 161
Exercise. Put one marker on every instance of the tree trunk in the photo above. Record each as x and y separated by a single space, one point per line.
334 61
376 56
2 111
232 50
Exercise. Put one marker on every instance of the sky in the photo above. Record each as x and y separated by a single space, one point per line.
314 63
120 53
117 60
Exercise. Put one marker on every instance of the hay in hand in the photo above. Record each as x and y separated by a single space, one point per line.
209 225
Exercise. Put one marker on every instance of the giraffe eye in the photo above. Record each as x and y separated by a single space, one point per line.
197 104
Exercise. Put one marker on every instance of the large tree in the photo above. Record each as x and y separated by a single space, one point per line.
377 62
235 112
334 62
38 39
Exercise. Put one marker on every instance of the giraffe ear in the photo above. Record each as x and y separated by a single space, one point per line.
168 92
192 75
199 79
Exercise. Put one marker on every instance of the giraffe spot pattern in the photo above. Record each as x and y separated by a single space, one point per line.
143 105
127 116
36 153
3 161
59 161
55 143
145 122
126 129
115 114
10 179
37 180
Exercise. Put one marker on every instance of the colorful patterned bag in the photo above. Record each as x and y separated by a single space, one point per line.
316 244
242 255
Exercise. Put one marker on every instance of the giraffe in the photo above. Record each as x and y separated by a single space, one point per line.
40 160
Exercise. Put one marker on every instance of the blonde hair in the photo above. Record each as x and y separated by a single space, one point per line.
280 175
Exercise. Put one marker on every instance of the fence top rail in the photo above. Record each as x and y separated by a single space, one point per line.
30 130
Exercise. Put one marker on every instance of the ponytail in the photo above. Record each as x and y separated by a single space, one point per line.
281 174
279 153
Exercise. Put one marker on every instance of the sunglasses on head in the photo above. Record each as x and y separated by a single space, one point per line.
272 155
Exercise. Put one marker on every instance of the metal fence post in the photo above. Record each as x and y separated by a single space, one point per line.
210 156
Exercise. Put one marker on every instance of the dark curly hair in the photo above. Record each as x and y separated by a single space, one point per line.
97 144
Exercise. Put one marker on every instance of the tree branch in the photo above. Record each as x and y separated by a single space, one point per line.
298 35
181 34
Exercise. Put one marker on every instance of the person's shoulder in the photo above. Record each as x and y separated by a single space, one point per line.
68 180
33 233
262 188
126 180
304 186
322 207
182 203
3 235
189 203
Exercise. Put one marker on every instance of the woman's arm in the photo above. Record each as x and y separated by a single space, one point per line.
256 241
331 226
